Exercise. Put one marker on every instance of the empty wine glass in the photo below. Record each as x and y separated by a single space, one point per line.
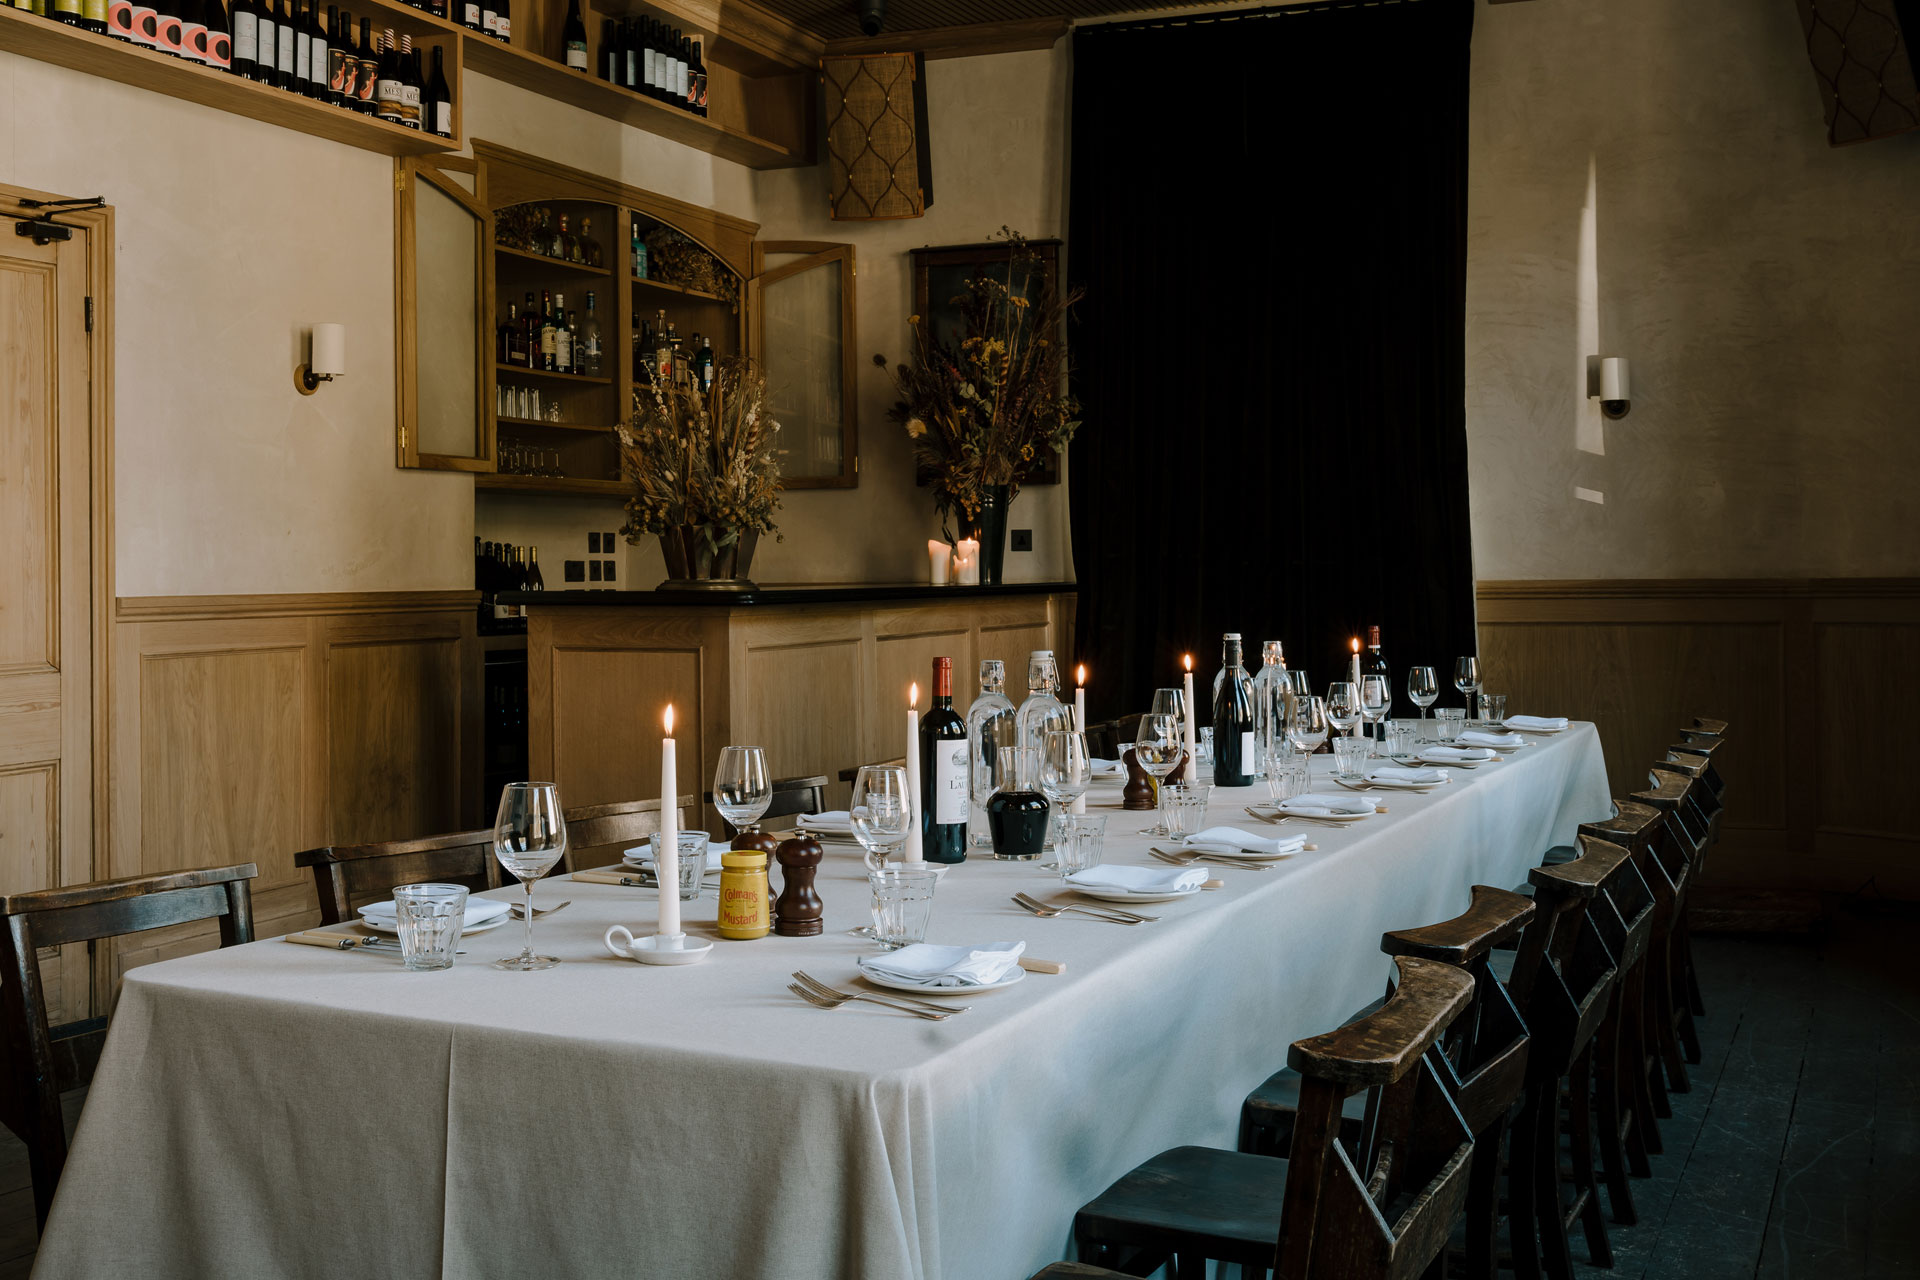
1423 687
1376 701
1065 773
1158 747
1307 730
1466 678
529 836
1343 705
1170 702
881 811
742 791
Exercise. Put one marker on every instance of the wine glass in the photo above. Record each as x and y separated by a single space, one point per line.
1170 702
881 811
1307 731
529 836
742 791
1376 701
1343 705
1466 678
1158 747
1423 687
1065 773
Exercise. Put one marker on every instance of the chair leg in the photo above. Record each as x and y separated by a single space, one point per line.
1523 1186
1644 1141
1483 1205
1549 1215
1580 1147
1610 1117
1683 996
1666 1026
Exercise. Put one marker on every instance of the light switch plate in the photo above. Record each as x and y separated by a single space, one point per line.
574 570
1021 540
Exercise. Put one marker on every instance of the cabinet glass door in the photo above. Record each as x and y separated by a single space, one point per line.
445 375
802 307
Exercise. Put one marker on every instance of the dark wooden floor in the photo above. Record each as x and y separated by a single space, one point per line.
1796 1155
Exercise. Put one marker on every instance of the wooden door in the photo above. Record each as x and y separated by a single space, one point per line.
46 582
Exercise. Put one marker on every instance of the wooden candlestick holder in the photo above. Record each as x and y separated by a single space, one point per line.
799 911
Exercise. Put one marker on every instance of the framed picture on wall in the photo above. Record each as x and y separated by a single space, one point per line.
940 273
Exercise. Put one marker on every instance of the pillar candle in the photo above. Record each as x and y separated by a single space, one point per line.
939 556
666 849
915 856
1080 721
966 563
1354 675
1193 752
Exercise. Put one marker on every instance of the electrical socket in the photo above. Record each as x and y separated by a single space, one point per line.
575 570
1021 540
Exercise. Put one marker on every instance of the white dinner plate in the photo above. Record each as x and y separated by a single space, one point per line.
1444 763
898 984
379 926
1319 816
1513 729
1502 747
1123 895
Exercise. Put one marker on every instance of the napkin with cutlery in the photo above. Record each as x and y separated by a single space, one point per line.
928 965
1470 755
1235 840
834 822
1139 879
1315 805
1539 724
479 911
1487 738
1407 777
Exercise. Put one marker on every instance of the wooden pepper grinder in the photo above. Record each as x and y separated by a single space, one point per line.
1139 792
798 912
761 842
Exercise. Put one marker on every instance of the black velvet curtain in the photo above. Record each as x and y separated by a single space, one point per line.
1268 214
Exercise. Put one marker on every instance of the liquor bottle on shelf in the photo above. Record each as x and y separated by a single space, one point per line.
639 250
546 333
568 249
471 15
529 334
992 723
611 59
340 61
562 336
535 582
193 26
503 21
413 90
703 363
699 86
589 247
943 773
1234 756
508 342
266 39
439 99
662 347
167 35
1374 663
246 36
587 344
366 79
285 29
386 93
574 37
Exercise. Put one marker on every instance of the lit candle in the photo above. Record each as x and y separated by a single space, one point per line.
966 563
1355 677
914 855
666 849
1080 721
1193 752
939 556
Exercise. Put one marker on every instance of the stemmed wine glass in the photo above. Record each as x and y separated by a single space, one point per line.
1343 705
742 791
1307 730
1376 701
1423 688
1172 702
529 836
1158 746
1065 774
881 811
1466 678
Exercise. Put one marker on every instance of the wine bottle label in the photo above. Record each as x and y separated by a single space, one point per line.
302 55
264 55
366 84
120 18
650 67
319 68
443 119
470 12
193 40
577 54
284 58
489 22
503 27
1247 757
387 93
337 78
220 50
563 350
168 34
244 48
949 780
67 6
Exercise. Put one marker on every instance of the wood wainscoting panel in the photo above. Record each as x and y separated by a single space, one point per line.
1793 664
608 705
782 669
394 712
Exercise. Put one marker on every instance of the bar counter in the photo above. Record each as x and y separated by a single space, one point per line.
815 673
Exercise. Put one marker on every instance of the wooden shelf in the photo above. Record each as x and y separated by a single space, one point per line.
531 424
31 36
527 255
668 287
541 484
555 377
550 79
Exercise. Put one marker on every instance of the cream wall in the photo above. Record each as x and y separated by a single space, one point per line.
1652 180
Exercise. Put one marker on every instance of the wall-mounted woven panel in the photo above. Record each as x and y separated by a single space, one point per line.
873 168
1860 59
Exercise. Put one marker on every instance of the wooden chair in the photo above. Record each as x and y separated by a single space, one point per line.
1386 1215
1703 749
45 1061
592 828
1634 827
852 772
1681 846
349 874
792 796
1624 917
1485 1055
1716 727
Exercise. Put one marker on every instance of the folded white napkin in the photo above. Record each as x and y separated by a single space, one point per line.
1538 724
1315 805
927 965
1100 767
833 821
1407 777
1472 754
479 910
641 855
1139 879
1235 840
1485 738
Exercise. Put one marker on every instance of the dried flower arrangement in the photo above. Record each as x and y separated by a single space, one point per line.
676 258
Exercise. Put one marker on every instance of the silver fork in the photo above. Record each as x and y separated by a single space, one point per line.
520 909
834 1002
1278 818
822 989
1221 859
1114 916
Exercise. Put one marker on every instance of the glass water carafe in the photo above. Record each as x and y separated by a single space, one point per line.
1017 813
992 724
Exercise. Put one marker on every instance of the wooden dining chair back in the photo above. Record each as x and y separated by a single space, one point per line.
45 1061
1678 848
1103 740
1703 799
853 771
348 876
1705 748
1624 917
596 830
1718 728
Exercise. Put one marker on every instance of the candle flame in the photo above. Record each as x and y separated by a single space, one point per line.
669 719
1356 644
1080 674
913 694
1188 660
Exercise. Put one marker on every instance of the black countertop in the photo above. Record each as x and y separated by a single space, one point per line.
793 593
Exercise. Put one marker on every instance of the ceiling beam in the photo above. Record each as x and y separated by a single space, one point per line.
960 42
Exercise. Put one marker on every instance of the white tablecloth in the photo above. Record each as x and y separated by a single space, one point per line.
276 1110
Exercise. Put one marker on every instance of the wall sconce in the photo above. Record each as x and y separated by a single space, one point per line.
328 360
1613 387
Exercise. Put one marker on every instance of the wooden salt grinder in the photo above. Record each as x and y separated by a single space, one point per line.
1139 792
798 912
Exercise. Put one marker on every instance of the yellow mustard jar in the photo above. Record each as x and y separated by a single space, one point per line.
745 910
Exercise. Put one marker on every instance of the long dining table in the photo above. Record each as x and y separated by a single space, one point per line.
287 1111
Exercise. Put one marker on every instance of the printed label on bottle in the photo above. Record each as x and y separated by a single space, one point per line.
302 57
168 34
284 56
577 54
949 780
443 119
146 25
650 68
95 11
319 63
366 87
387 93
193 41
563 350
489 22
120 18
503 27
470 13
337 72
1248 759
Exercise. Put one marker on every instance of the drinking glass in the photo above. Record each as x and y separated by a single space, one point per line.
742 791
1082 843
1376 700
1186 806
1423 688
1307 731
1466 678
881 811
529 836
1158 747
1350 757
1287 774
1447 723
1343 705
428 918
1494 707
902 905
1065 772
1403 736
690 861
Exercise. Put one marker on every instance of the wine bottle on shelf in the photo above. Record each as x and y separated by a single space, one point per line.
193 30
649 59
574 37
167 33
700 79
943 773
562 336
535 580
576 352
682 60
439 99
320 39
503 21
386 92
489 18
266 42
217 44
366 74
246 35
610 59
472 16
283 30
590 247
302 51
340 59
546 333
503 335
1234 756
413 85
93 16
66 11
703 363
588 341
629 56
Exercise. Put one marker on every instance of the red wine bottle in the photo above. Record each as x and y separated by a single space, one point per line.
943 773
1234 756
1374 663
